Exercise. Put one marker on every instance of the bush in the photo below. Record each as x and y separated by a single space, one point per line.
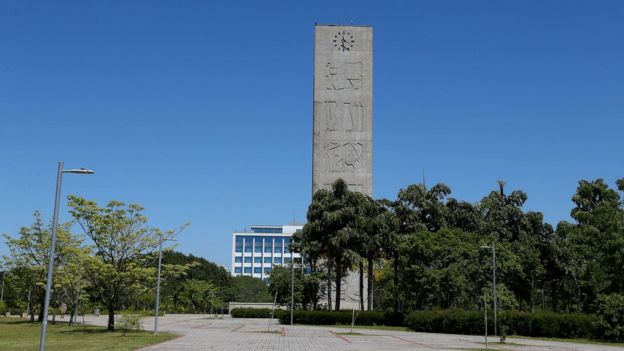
252 312
3 308
342 317
129 322
545 324
610 317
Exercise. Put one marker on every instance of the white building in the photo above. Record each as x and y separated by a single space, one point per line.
255 253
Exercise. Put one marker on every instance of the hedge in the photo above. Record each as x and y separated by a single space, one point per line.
539 324
342 317
544 324
252 312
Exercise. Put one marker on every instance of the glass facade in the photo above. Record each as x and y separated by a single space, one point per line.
268 244
287 245
239 243
256 253
275 230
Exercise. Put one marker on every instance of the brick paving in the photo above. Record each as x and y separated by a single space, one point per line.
200 332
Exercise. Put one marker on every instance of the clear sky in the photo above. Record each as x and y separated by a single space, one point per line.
201 111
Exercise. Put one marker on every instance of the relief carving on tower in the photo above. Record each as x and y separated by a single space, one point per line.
343 156
343 76
340 116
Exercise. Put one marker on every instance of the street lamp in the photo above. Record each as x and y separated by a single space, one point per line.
57 200
493 248
292 289
160 240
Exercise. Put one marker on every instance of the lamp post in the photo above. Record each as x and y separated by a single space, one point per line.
493 248
3 278
160 240
57 200
292 290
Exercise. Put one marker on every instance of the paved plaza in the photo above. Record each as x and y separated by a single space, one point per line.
200 332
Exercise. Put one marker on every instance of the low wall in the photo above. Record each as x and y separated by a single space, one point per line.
268 305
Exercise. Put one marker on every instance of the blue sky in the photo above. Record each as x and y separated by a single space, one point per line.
201 111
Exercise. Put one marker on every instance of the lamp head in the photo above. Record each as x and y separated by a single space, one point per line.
79 171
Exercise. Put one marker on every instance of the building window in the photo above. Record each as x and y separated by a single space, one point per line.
257 259
247 269
238 259
267 230
248 259
278 245
267 260
258 245
257 270
268 245
238 270
278 260
287 260
239 243
287 245
267 270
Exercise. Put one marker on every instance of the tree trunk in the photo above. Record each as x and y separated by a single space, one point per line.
532 295
72 314
329 279
338 282
397 304
111 317
370 284
40 317
361 285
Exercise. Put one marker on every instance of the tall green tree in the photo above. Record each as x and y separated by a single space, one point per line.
29 254
330 233
122 267
595 243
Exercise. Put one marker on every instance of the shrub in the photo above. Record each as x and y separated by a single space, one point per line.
3 308
561 325
252 312
610 317
129 322
342 317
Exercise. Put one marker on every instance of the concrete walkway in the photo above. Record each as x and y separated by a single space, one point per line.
200 332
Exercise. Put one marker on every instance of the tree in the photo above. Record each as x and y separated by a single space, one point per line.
595 243
29 255
122 265
330 233
249 289
280 283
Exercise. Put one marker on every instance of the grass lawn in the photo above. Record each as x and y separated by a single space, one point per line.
18 334
577 341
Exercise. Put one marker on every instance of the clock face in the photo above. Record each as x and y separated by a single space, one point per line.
343 41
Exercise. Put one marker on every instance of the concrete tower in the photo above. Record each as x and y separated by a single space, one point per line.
343 106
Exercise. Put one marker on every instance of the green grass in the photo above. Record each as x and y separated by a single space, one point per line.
18 335
577 341
374 327
350 333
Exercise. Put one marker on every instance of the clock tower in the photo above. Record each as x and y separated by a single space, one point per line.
343 107
343 123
